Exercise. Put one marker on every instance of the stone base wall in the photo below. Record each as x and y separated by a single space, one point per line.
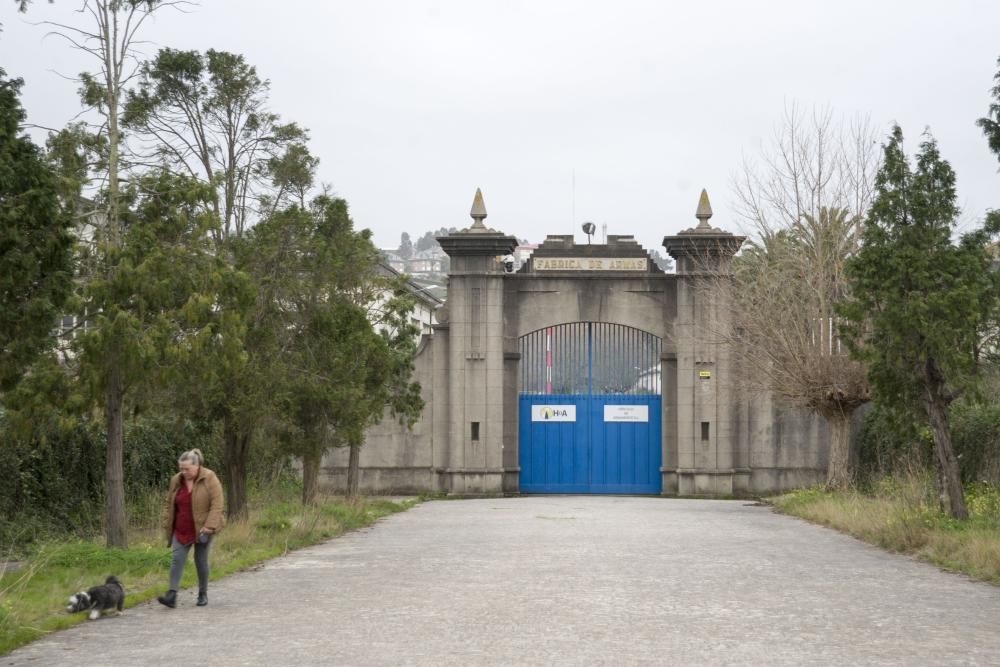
395 459
472 482
787 448
382 481
769 481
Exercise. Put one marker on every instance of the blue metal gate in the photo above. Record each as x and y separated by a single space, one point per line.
589 406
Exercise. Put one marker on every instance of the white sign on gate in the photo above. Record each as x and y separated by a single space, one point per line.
553 413
626 413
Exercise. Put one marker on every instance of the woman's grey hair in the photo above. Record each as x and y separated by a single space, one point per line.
193 457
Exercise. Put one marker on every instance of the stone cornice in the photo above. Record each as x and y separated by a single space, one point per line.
703 243
470 244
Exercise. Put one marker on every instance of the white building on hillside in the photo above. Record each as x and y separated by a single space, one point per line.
522 253
393 260
426 303
431 260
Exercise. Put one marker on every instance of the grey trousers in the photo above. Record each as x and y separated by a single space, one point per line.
180 558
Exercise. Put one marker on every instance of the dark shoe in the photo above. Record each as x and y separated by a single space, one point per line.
202 599
168 600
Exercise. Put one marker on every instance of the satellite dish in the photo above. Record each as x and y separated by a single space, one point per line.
589 228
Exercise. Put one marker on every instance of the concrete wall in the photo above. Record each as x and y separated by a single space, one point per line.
644 302
468 371
395 459
785 447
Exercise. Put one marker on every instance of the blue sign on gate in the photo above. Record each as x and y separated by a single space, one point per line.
607 376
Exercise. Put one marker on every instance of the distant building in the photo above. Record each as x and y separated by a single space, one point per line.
427 272
392 259
522 253
431 260
432 286
85 231
423 316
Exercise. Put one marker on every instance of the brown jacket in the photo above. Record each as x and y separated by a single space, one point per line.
206 503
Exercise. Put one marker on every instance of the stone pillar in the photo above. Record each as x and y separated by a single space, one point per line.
475 461
668 397
705 429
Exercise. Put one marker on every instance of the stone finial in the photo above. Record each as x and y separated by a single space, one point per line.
478 211
704 211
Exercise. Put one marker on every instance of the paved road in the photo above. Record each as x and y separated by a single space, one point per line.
564 580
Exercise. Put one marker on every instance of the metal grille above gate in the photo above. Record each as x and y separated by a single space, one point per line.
590 410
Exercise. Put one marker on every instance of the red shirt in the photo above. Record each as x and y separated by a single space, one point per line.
183 516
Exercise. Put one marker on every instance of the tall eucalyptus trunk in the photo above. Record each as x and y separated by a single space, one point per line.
116 525
354 471
236 452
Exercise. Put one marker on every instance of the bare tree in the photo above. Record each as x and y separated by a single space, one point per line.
802 204
812 162
785 339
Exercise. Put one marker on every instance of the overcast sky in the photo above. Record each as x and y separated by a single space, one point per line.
413 105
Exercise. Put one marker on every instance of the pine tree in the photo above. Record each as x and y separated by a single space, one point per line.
206 114
35 243
918 299
110 40
990 344
347 344
990 124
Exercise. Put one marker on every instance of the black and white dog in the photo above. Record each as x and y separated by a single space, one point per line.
99 598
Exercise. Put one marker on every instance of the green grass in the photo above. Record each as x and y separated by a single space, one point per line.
32 599
902 515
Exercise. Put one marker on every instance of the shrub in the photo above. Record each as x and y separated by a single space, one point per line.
976 434
891 445
152 445
56 485
55 482
983 500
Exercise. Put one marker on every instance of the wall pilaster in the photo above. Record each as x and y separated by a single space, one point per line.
476 364
706 434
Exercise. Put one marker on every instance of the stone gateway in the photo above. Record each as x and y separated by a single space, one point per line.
588 370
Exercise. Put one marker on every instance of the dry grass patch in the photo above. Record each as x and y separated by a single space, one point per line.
974 551
902 515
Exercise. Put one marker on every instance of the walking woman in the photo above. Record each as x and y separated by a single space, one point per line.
193 515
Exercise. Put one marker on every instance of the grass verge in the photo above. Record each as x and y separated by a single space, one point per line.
902 515
32 599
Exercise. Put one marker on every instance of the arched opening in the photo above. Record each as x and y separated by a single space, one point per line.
589 401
